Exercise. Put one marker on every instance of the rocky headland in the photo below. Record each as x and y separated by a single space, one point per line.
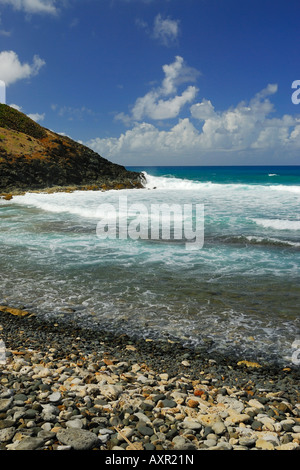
33 158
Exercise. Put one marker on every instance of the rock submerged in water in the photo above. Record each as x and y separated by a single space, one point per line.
35 158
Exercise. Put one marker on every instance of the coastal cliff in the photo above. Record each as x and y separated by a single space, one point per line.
35 158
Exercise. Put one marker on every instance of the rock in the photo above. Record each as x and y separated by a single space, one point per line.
235 418
7 434
186 363
30 443
111 391
190 423
49 412
179 442
264 445
169 403
147 405
219 428
142 417
164 376
210 443
192 403
5 404
145 430
78 439
7 423
287 424
256 404
222 446
256 425
55 397
126 432
75 423
20 396
247 441
208 419
233 403
288 446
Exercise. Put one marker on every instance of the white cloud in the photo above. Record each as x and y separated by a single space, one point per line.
166 30
34 116
203 110
71 113
247 130
11 69
153 107
162 102
33 6
16 106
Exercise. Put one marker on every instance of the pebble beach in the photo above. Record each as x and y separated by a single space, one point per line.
64 388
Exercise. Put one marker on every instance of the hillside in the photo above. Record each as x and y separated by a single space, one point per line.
35 158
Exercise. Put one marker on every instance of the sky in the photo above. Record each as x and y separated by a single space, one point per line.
159 82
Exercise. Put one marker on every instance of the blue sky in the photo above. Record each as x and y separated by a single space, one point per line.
159 82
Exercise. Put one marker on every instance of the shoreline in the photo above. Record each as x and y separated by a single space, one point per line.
107 186
112 392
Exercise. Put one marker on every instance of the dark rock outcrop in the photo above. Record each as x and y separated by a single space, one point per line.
35 158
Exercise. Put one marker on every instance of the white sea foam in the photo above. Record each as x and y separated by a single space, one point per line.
83 204
170 182
181 184
278 224
290 189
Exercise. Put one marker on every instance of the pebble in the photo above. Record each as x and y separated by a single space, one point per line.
77 392
77 439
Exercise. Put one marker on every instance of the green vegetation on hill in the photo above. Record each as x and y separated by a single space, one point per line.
35 158
10 118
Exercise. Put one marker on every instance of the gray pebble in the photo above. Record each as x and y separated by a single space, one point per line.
30 443
78 439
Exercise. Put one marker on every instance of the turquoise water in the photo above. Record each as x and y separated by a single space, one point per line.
239 293
267 175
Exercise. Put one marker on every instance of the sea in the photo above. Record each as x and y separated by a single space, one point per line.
107 260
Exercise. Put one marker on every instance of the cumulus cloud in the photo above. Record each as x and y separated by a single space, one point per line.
203 110
12 70
163 102
166 30
247 129
33 6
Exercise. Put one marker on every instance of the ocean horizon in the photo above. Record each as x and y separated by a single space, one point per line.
237 295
